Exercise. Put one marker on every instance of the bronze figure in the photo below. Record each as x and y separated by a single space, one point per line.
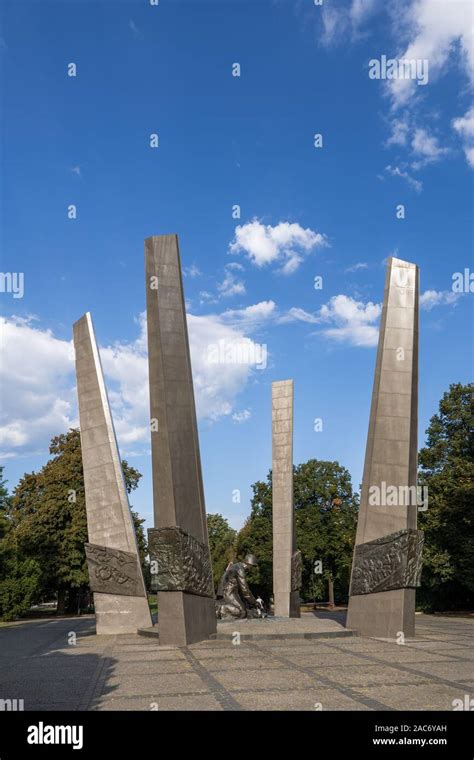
234 598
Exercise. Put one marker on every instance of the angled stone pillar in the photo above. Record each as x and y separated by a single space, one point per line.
286 560
120 600
387 557
179 542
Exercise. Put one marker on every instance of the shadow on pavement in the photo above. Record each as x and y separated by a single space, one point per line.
42 669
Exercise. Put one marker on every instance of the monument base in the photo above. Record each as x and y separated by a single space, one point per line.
287 604
117 613
185 618
384 614
308 626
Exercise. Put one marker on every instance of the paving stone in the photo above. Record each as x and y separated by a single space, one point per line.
311 700
316 660
121 672
156 684
239 663
424 697
454 671
402 654
164 703
237 652
272 679
154 654
143 669
371 675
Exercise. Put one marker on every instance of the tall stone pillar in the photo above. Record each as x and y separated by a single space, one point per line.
286 560
179 546
120 600
387 557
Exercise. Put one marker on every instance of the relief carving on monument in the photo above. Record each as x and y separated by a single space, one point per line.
296 571
180 562
112 571
389 562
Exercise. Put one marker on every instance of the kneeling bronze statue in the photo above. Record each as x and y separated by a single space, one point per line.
234 598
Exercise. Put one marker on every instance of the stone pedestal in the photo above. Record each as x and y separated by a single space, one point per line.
186 611
286 574
382 593
121 604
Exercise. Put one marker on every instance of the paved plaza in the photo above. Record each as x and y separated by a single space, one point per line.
131 672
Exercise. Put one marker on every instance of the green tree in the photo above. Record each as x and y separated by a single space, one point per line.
446 468
49 525
19 577
326 516
255 537
4 505
221 544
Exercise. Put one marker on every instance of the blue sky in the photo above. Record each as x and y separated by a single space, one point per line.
224 141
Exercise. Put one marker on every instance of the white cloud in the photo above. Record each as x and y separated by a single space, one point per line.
216 387
440 32
36 389
235 265
295 314
37 379
431 298
335 24
339 20
250 316
356 267
361 9
354 322
396 171
427 146
436 30
76 170
400 129
206 297
231 286
286 243
425 149
242 416
464 126
469 153
192 271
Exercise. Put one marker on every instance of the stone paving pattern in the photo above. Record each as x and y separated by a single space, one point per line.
130 672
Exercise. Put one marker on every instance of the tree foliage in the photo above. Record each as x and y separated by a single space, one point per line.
221 544
326 517
43 524
48 524
446 467
19 577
